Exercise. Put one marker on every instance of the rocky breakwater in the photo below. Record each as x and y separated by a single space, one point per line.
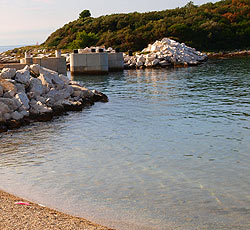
164 53
37 94
5 58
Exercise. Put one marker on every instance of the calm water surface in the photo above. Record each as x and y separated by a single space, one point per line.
169 151
6 48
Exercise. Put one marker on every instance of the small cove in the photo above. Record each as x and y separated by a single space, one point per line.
169 151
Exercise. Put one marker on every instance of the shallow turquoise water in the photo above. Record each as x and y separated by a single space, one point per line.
169 151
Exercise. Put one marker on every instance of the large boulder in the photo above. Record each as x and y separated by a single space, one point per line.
4 108
39 108
9 94
8 73
23 77
81 91
7 86
64 78
36 86
35 68
23 99
11 103
51 78
17 116
56 95
20 87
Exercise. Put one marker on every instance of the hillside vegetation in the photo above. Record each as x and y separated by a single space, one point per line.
224 25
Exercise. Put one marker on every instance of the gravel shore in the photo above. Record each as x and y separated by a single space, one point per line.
16 216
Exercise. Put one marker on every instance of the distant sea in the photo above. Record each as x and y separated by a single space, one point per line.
5 48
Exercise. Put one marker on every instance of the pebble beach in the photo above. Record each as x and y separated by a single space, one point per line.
29 215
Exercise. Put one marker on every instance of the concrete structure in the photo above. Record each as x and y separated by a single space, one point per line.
58 53
57 64
17 66
27 61
115 61
89 63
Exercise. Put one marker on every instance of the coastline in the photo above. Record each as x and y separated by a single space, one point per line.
226 54
35 216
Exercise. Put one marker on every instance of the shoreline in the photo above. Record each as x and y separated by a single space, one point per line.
225 54
35 216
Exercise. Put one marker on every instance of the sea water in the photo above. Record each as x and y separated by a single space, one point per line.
170 150
6 48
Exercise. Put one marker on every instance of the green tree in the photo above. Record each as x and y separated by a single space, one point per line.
84 14
83 40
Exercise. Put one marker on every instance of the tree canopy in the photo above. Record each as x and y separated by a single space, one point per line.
224 25
84 14
83 40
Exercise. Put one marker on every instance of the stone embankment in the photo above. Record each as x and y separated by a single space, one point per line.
165 53
37 94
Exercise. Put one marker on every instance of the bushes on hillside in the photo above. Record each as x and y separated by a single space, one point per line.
224 25
83 40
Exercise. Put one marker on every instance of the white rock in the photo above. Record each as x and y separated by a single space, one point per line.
23 99
23 76
35 68
166 50
4 108
10 103
164 63
9 94
84 91
7 116
8 73
69 89
20 87
52 78
25 113
139 63
155 62
141 58
39 108
41 99
16 115
36 86
64 78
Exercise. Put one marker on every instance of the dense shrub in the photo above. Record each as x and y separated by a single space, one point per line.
83 40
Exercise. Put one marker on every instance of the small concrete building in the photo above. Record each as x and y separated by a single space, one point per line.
89 63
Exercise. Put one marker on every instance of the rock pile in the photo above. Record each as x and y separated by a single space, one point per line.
5 58
166 52
37 94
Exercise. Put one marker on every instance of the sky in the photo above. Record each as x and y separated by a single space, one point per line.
26 22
